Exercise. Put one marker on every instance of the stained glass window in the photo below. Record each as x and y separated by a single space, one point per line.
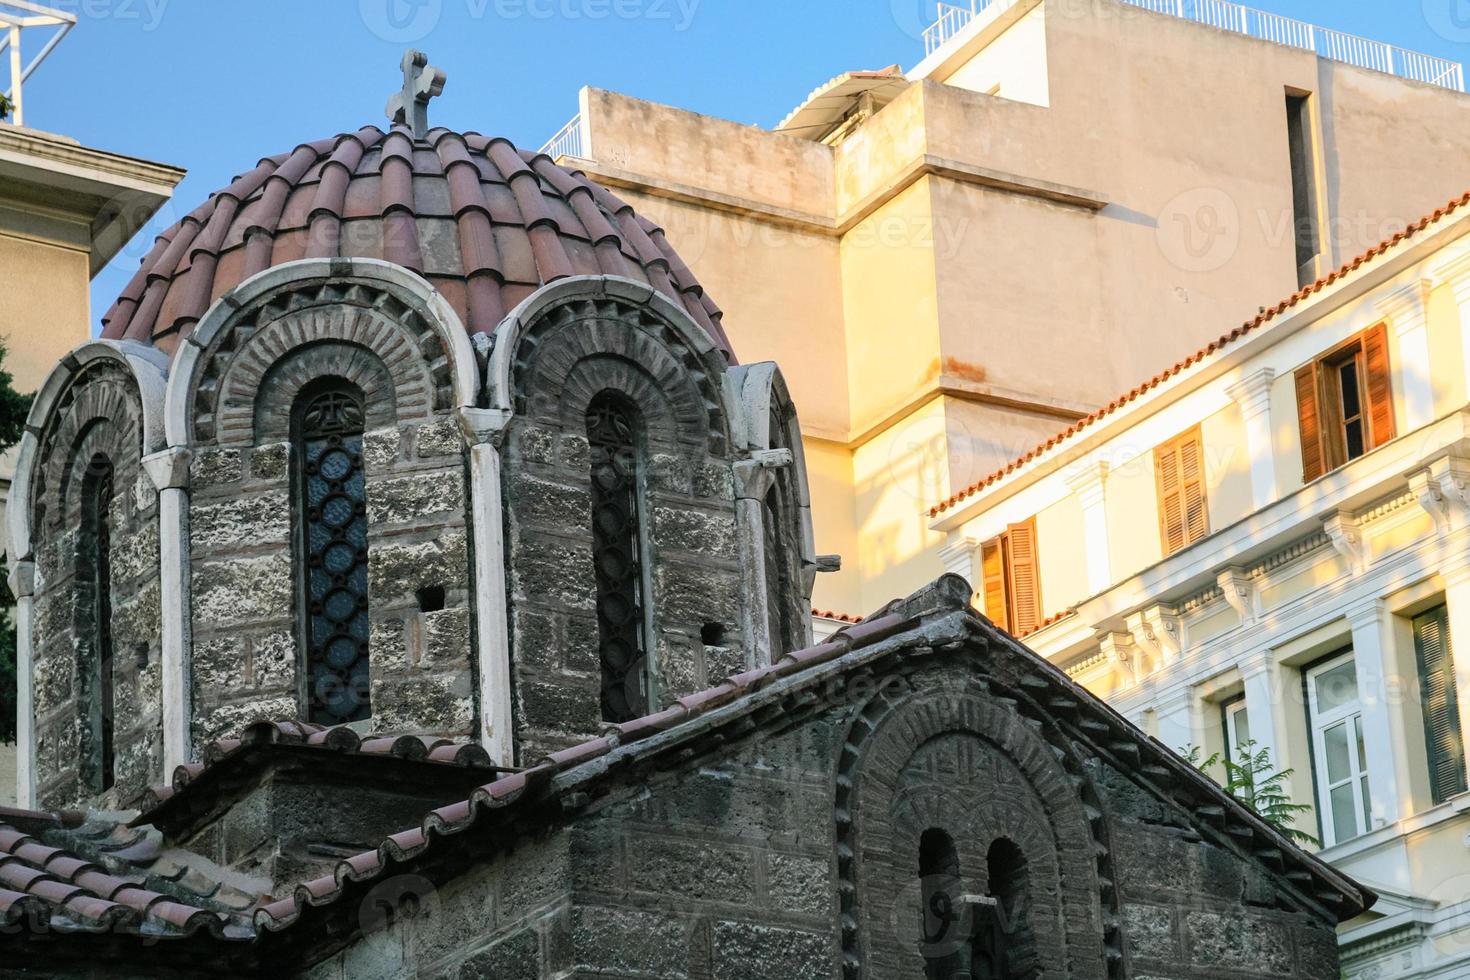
332 516
613 434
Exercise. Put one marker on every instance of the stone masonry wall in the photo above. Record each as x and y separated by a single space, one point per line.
688 517
728 867
247 654
100 414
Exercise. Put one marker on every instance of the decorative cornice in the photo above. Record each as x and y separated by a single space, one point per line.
483 425
1253 392
1406 306
1346 535
169 468
1240 591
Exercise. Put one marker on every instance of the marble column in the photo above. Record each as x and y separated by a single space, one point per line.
484 430
169 471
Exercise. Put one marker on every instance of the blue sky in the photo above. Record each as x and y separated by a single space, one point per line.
213 85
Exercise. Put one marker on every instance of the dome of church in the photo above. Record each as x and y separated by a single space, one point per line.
485 223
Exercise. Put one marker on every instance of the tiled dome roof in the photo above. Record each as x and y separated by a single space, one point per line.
486 223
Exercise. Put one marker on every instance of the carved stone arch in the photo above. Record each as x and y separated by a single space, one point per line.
298 368
875 872
558 345
119 384
374 310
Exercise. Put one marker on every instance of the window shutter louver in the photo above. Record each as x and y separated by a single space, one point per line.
992 564
1025 578
1171 503
1380 388
1183 514
1192 488
1444 745
1310 420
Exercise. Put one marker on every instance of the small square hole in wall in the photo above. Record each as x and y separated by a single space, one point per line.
712 634
140 655
431 598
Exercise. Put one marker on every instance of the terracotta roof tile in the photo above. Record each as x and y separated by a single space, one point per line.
1260 320
63 892
417 748
520 222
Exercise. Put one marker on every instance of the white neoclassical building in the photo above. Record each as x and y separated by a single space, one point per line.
1270 541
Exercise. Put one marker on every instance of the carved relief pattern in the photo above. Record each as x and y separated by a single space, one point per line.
1027 787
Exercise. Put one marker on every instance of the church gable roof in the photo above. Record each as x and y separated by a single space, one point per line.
937 620
936 617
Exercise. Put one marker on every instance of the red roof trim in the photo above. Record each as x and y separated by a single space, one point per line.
507 790
1264 317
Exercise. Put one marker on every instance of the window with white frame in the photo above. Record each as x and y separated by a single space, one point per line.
1340 761
1237 729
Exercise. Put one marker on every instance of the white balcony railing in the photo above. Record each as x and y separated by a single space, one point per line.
568 142
1228 16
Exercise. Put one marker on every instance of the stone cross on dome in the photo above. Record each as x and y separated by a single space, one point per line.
421 82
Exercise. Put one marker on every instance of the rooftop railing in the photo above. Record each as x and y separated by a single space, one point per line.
567 142
1324 42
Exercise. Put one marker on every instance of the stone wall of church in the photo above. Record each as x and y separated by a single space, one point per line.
98 417
247 653
688 516
246 560
733 867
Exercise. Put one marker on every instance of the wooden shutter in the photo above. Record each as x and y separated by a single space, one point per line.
1441 708
1025 578
993 570
1309 418
1183 513
1380 388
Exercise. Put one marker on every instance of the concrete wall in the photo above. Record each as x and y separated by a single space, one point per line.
876 281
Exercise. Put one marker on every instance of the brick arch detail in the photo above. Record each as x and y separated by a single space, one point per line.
573 350
247 386
102 408
887 732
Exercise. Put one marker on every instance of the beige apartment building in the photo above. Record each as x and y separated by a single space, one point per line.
65 211
954 262
1269 542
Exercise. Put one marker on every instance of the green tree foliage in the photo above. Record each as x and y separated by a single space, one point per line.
5 107
1254 781
13 409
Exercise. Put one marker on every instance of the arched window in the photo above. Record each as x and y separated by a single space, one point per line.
1005 947
614 435
944 922
94 575
331 520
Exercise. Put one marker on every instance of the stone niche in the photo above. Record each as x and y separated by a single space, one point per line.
692 557
95 520
246 551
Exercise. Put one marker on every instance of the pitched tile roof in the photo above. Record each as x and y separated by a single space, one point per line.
901 621
339 741
485 223
506 792
1215 346
116 878
110 880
